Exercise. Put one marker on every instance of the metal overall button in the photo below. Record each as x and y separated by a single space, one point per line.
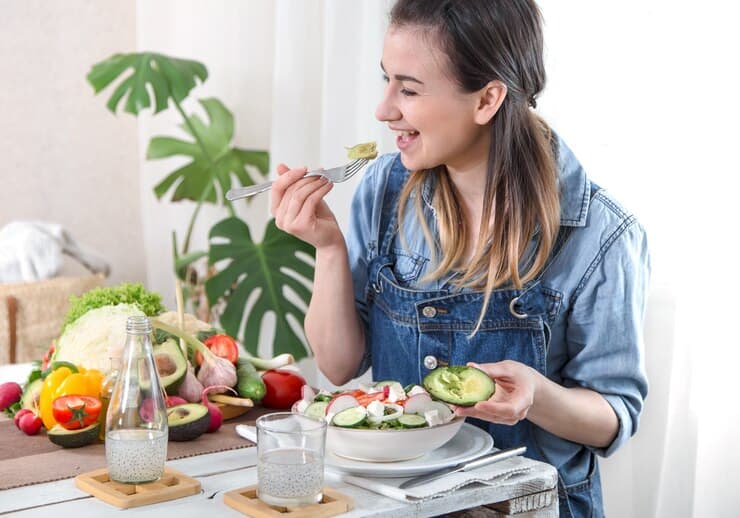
429 312
430 362
512 308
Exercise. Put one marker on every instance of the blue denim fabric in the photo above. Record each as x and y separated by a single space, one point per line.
583 323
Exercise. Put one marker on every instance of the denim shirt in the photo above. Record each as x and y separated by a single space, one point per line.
591 298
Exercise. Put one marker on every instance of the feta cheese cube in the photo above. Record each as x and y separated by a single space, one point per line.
375 409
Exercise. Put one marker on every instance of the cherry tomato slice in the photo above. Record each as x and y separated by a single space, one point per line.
74 412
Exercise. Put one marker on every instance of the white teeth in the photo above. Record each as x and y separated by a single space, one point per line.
406 133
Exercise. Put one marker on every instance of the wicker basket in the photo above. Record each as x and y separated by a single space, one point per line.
31 314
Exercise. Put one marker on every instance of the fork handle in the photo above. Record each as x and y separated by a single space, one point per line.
244 192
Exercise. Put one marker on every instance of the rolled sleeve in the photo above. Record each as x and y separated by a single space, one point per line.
605 328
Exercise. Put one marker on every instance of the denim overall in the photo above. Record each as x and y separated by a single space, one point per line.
412 331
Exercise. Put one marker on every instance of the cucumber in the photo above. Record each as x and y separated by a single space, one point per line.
316 410
351 417
412 421
249 383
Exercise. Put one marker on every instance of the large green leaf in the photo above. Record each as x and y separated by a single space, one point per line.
166 77
270 267
213 160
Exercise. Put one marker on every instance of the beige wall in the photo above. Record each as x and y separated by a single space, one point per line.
65 157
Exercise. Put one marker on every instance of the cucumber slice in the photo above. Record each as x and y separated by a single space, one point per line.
351 417
316 410
412 421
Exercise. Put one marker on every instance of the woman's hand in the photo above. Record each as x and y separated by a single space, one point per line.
514 396
298 205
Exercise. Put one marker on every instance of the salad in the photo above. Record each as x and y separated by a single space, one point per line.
380 406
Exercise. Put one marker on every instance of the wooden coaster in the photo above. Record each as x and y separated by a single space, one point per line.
246 502
172 485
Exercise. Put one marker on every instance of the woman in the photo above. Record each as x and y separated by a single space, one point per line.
482 241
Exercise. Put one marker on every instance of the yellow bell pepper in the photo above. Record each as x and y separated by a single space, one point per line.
63 382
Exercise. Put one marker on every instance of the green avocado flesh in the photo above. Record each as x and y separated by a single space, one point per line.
459 385
171 366
73 438
187 422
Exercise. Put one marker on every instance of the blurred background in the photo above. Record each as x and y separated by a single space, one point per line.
643 92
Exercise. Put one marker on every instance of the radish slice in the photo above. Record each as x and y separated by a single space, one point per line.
300 406
307 393
340 403
418 404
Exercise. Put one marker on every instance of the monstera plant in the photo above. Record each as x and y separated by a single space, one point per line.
237 267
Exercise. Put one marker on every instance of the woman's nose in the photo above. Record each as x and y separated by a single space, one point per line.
387 109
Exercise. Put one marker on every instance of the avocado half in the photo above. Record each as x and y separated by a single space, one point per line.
459 385
187 422
171 365
74 438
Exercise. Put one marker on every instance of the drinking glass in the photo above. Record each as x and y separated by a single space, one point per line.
290 459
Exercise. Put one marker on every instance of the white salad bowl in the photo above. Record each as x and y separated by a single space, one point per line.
390 445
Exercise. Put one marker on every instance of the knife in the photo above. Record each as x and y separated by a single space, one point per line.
465 466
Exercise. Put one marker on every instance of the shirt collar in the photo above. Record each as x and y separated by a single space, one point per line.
575 187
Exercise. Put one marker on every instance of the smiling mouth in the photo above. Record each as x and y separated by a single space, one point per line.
405 138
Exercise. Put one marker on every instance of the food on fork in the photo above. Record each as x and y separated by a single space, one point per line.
364 150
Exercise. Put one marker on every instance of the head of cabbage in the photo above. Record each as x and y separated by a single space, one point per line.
96 337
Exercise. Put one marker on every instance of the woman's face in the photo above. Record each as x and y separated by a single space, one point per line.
430 114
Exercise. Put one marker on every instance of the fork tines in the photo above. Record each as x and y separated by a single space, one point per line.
354 167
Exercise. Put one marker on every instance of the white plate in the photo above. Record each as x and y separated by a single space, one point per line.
468 443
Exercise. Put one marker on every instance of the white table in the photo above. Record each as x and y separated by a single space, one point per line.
225 471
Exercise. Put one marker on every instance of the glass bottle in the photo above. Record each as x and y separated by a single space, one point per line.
106 390
136 421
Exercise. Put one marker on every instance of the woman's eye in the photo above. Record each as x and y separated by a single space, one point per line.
385 78
407 93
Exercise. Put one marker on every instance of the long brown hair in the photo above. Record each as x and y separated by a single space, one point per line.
487 40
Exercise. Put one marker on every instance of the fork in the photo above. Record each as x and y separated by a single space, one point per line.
336 175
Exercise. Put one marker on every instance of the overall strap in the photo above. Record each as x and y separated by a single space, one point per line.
389 213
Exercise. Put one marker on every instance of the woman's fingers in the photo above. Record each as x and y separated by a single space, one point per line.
286 178
300 203
507 412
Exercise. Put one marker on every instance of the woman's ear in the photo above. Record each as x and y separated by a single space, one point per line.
490 98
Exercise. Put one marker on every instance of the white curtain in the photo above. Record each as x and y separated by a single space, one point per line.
644 92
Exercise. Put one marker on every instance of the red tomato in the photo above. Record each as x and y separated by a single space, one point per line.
366 399
222 346
283 388
74 412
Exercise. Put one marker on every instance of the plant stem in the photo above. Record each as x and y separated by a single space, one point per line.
209 187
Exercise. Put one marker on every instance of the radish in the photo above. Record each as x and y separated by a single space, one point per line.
418 404
174 401
10 393
307 393
217 418
340 403
300 406
30 423
19 414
